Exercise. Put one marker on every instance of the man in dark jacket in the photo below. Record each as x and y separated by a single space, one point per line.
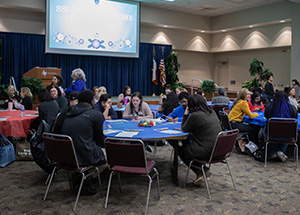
85 126
104 106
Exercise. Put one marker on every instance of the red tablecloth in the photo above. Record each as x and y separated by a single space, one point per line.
15 125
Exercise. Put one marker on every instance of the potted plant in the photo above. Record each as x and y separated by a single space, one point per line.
35 85
260 75
208 86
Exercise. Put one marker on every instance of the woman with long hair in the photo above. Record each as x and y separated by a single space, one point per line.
48 109
124 97
169 104
293 101
26 98
203 124
281 108
137 109
57 95
255 103
239 109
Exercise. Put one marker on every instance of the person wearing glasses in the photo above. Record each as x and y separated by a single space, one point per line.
178 112
104 106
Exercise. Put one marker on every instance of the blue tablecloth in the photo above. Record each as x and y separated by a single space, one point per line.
145 133
262 121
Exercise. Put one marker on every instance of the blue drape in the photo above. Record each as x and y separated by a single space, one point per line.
21 52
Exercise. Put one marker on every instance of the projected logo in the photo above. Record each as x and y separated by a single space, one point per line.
97 2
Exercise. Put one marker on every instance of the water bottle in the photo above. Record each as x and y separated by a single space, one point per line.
22 111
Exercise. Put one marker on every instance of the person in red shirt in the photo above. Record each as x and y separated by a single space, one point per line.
255 103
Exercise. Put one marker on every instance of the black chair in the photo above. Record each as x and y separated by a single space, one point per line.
282 131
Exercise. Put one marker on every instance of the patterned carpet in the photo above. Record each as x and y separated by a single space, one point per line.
271 190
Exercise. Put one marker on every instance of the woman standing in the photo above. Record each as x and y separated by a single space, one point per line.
204 126
78 83
137 109
239 109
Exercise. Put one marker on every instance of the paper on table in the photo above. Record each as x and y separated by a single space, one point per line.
171 132
3 118
110 131
31 115
126 134
115 120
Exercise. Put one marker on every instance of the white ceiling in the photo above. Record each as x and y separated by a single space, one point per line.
208 8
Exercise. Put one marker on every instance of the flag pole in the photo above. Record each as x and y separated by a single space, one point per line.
152 82
162 89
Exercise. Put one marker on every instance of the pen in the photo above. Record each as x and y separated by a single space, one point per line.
133 130
179 129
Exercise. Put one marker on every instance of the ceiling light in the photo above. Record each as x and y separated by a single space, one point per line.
223 30
165 26
282 21
202 31
250 26
170 0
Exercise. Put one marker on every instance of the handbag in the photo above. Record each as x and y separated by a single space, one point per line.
23 151
7 151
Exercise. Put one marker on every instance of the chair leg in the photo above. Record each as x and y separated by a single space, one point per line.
266 153
296 146
79 191
205 179
48 178
157 178
231 174
119 180
148 195
108 188
99 179
49 184
187 174
155 149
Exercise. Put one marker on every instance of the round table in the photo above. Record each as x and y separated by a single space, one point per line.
13 124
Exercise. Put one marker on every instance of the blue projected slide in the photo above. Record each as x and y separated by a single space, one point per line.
93 27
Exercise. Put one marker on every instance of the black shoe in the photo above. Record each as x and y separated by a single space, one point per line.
86 190
149 149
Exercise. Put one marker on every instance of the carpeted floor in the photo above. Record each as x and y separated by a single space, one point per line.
271 190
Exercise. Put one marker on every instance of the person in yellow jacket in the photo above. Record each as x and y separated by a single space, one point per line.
239 109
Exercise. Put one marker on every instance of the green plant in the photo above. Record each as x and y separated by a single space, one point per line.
208 86
3 91
172 68
260 74
34 84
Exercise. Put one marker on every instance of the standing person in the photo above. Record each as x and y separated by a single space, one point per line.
104 106
85 126
296 87
221 99
78 83
57 80
26 98
56 95
255 103
48 109
279 107
178 112
124 97
269 89
293 101
239 109
137 109
11 97
204 126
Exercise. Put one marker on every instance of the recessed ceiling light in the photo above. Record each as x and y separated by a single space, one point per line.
223 30
250 26
282 21
165 26
202 31
170 0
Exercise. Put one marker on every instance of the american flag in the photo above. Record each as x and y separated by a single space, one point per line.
162 69
154 73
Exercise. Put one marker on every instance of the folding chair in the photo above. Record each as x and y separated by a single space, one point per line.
221 151
282 131
218 108
61 152
129 158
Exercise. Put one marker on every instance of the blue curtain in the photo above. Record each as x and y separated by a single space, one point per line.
21 52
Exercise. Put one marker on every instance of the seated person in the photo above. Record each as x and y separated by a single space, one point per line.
85 126
73 98
281 108
57 80
221 99
124 97
11 97
101 91
255 104
239 109
168 89
179 90
26 99
137 109
204 126
56 95
169 104
263 97
104 106
177 114
292 100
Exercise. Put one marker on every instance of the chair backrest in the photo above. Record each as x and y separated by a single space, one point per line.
60 149
281 129
120 114
130 152
225 121
226 110
224 145
217 108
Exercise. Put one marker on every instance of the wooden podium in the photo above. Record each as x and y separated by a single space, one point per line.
46 74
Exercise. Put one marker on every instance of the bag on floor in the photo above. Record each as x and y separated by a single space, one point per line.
7 151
